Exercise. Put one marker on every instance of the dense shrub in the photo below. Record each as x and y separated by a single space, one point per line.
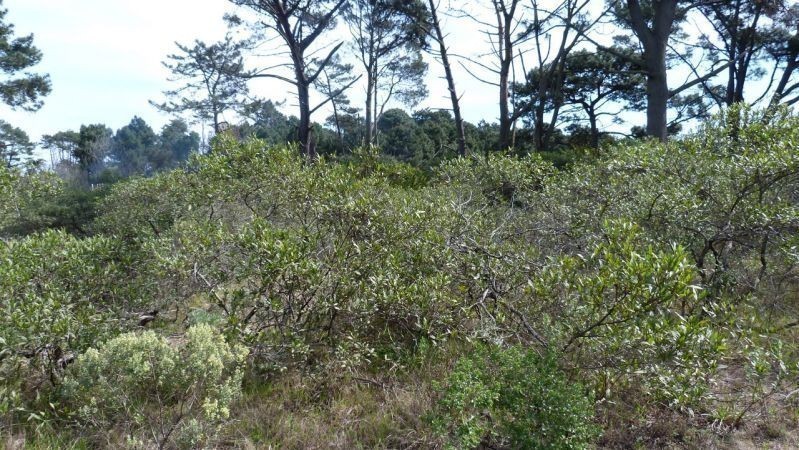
510 398
324 260
59 295
660 272
635 317
20 195
141 208
726 193
71 209
498 177
177 392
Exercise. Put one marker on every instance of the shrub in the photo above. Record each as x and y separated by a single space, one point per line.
727 194
502 179
20 193
142 382
630 313
512 398
141 208
58 296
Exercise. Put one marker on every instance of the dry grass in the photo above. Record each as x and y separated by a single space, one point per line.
350 413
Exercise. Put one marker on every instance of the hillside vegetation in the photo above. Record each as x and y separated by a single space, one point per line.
643 296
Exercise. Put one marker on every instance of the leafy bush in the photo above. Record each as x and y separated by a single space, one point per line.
20 193
512 398
141 208
71 209
58 296
172 390
500 178
635 316
726 193
660 271
367 162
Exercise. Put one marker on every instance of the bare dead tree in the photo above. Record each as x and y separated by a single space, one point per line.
388 37
550 34
504 35
555 34
336 78
437 35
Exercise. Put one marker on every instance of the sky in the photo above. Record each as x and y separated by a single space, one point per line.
104 59
104 56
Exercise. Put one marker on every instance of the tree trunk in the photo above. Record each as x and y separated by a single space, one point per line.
337 123
505 122
504 114
368 113
657 96
304 133
506 58
787 73
594 128
375 111
453 93
654 41
732 72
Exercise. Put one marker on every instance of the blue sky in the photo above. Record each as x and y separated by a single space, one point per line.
104 56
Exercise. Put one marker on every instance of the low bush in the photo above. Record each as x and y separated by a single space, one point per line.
513 398
59 295
178 393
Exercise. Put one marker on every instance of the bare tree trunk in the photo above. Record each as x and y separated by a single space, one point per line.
369 113
337 122
505 40
594 128
453 93
371 91
304 133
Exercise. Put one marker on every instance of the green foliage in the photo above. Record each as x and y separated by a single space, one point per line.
634 316
15 145
726 193
516 399
367 162
177 143
67 208
93 145
324 251
20 195
402 138
16 55
58 296
499 178
144 207
133 147
659 273
211 81
176 391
